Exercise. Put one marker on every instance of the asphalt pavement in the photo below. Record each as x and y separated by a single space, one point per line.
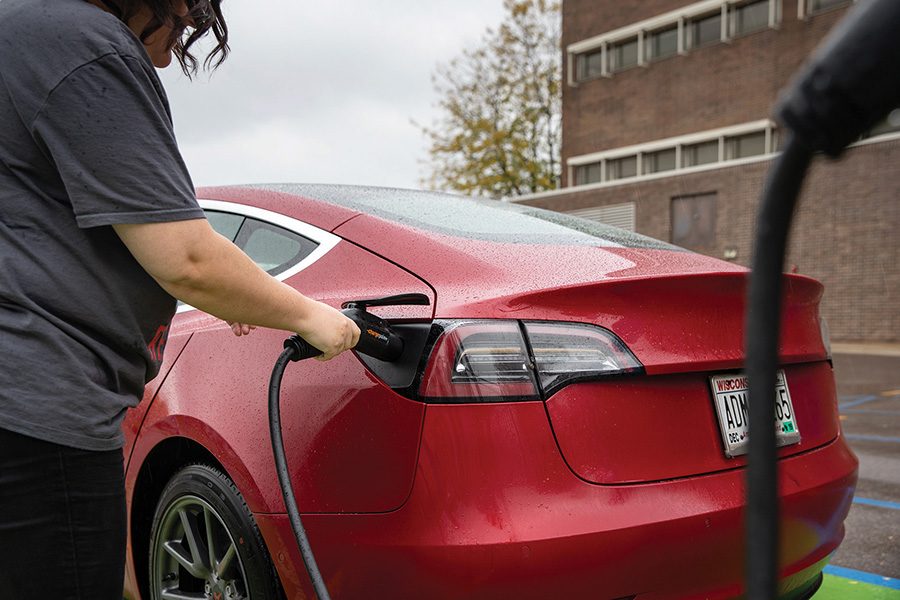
868 384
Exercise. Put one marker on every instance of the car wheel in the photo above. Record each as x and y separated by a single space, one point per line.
205 543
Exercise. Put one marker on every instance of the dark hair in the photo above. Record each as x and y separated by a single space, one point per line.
203 16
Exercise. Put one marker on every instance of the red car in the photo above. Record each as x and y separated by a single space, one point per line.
572 422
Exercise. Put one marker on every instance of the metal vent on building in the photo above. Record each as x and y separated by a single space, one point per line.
617 215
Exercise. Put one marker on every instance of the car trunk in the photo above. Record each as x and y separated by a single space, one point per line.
642 429
684 330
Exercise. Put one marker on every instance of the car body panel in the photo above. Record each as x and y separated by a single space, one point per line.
134 417
630 430
351 442
476 527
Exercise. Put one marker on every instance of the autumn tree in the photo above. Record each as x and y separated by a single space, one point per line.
498 133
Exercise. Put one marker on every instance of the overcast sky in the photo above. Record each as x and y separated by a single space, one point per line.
322 92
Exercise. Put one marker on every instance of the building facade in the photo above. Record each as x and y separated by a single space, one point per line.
667 130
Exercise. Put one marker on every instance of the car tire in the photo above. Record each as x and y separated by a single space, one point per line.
200 508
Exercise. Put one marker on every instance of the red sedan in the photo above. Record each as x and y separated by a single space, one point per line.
570 419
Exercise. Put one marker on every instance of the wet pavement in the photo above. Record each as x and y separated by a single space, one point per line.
868 381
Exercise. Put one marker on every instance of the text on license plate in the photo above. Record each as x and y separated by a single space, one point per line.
731 393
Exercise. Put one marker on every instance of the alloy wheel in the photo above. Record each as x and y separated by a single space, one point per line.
195 556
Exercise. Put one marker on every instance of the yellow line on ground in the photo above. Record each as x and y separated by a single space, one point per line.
889 393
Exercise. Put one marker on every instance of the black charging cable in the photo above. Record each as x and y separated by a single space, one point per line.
850 83
773 224
295 348
377 339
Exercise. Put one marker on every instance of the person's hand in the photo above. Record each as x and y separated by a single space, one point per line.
240 329
328 329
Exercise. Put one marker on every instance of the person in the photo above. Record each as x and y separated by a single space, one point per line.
100 233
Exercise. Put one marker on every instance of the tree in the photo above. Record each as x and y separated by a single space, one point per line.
499 130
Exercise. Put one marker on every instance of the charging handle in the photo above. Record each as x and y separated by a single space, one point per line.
377 338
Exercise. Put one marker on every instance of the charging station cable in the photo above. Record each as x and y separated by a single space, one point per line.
850 83
295 348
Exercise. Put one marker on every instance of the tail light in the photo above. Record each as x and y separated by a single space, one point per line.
565 353
503 361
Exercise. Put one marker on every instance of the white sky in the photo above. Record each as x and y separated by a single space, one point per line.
322 92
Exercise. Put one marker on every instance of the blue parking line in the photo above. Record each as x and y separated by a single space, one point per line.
878 503
858 400
859 437
863 577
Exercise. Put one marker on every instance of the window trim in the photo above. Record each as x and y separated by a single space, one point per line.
325 240
573 189
691 44
651 35
681 140
721 135
804 13
680 17
609 67
771 18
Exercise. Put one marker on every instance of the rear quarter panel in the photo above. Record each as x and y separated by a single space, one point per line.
351 442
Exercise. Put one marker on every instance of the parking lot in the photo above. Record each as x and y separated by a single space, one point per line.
867 565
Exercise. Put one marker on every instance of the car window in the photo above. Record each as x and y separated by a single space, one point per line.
273 248
226 224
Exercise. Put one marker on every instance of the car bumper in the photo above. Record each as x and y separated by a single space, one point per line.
495 512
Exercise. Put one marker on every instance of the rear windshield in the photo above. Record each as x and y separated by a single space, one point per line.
473 218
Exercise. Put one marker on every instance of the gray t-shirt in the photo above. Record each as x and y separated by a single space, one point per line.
86 141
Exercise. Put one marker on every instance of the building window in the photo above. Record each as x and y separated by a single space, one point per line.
699 24
815 6
662 44
590 65
657 162
742 146
750 17
699 150
700 154
592 173
621 168
706 30
623 55
694 222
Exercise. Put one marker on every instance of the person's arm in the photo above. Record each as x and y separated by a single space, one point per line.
200 267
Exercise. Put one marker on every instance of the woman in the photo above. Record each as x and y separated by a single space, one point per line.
100 232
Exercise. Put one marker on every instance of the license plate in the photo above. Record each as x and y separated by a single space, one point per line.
731 394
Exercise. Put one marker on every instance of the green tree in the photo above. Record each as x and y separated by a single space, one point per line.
498 133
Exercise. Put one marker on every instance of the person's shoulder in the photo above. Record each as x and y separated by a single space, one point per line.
62 34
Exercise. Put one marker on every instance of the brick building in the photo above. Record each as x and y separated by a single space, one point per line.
667 130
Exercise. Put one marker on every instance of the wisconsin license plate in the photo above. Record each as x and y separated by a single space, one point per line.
731 393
